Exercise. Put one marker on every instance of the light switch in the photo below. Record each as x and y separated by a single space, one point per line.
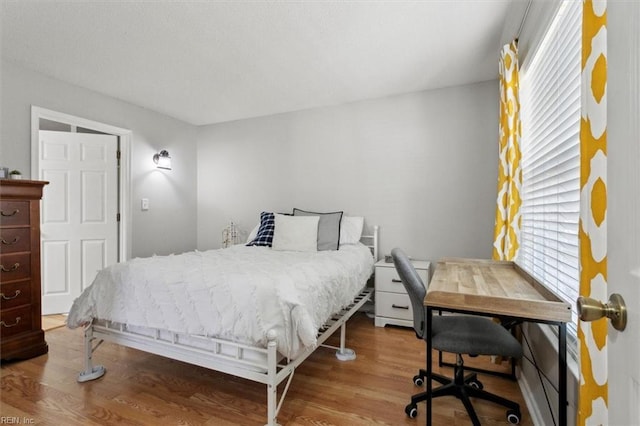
144 205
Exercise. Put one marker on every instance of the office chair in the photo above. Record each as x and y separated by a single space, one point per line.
457 334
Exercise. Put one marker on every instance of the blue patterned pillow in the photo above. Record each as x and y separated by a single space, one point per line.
264 237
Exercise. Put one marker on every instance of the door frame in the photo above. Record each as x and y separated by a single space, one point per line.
124 171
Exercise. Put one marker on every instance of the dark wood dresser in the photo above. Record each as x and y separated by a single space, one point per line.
21 334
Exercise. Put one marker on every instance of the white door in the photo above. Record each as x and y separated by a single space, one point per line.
623 211
79 224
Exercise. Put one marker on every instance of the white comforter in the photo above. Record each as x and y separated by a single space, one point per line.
238 293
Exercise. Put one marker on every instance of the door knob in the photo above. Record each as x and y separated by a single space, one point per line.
590 310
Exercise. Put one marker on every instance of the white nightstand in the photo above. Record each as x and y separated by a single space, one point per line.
392 302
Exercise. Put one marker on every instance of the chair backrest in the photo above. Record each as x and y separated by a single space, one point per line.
414 286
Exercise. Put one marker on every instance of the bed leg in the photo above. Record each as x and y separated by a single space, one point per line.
90 372
272 397
272 386
344 354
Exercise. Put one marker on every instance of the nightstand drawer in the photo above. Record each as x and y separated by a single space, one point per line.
393 305
392 302
387 279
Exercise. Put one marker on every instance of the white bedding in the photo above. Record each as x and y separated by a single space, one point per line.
238 293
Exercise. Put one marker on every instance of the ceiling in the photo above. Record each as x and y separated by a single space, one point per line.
205 62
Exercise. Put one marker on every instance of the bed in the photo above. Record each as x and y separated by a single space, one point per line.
253 312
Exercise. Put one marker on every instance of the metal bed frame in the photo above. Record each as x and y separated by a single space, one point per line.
262 365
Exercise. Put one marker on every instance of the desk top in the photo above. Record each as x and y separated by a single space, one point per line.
493 287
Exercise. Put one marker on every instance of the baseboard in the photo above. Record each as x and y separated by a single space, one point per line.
532 406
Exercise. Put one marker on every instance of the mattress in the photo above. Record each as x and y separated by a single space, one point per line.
238 293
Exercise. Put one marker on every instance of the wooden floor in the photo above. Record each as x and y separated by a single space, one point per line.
143 389
51 322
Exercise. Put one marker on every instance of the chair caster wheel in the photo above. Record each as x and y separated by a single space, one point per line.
513 417
411 410
477 384
418 381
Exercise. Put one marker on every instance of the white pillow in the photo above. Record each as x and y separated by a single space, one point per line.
351 229
295 233
253 233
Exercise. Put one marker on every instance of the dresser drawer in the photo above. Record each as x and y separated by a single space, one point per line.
15 239
387 279
15 267
15 294
14 213
393 305
15 321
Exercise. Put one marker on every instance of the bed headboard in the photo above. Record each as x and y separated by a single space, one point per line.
371 240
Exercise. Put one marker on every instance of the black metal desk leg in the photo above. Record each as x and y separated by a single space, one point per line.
428 315
562 373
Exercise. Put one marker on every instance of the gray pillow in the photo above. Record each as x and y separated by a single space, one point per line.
328 228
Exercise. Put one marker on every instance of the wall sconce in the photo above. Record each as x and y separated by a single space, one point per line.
162 160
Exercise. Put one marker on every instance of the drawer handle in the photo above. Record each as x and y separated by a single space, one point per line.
395 280
10 297
13 268
399 307
13 213
4 324
15 240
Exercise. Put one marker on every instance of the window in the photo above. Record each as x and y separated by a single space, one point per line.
550 114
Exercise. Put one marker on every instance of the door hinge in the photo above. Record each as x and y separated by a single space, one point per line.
118 154
118 217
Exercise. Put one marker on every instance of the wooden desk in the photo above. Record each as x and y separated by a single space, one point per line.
500 289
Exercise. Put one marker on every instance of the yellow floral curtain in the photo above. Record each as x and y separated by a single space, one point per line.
508 219
593 392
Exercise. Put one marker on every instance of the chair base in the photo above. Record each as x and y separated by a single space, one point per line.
462 387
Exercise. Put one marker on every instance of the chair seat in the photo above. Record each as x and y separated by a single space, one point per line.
473 335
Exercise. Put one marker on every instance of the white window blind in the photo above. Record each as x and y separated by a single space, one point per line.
550 114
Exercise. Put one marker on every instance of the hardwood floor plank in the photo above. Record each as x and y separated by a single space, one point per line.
53 411
51 322
313 414
185 411
144 389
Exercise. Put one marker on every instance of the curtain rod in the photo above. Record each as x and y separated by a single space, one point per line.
524 18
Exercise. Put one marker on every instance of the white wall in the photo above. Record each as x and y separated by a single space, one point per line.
420 165
170 225
423 166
